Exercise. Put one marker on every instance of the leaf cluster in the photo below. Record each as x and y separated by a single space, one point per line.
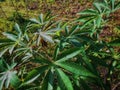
49 55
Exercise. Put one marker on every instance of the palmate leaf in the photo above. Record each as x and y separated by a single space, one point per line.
91 16
76 69
63 80
4 65
8 76
68 54
12 40
112 5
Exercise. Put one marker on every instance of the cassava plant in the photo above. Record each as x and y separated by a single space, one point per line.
49 55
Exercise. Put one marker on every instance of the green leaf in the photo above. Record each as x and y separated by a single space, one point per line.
9 77
46 37
85 17
57 49
87 62
3 51
88 22
63 80
10 36
98 7
34 20
74 28
11 48
66 30
88 12
3 65
17 28
58 88
34 74
75 42
70 53
48 81
5 41
41 18
98 20
112 4
15 81
76 69
2 82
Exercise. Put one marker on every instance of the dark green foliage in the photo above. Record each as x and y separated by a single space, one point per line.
48 55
